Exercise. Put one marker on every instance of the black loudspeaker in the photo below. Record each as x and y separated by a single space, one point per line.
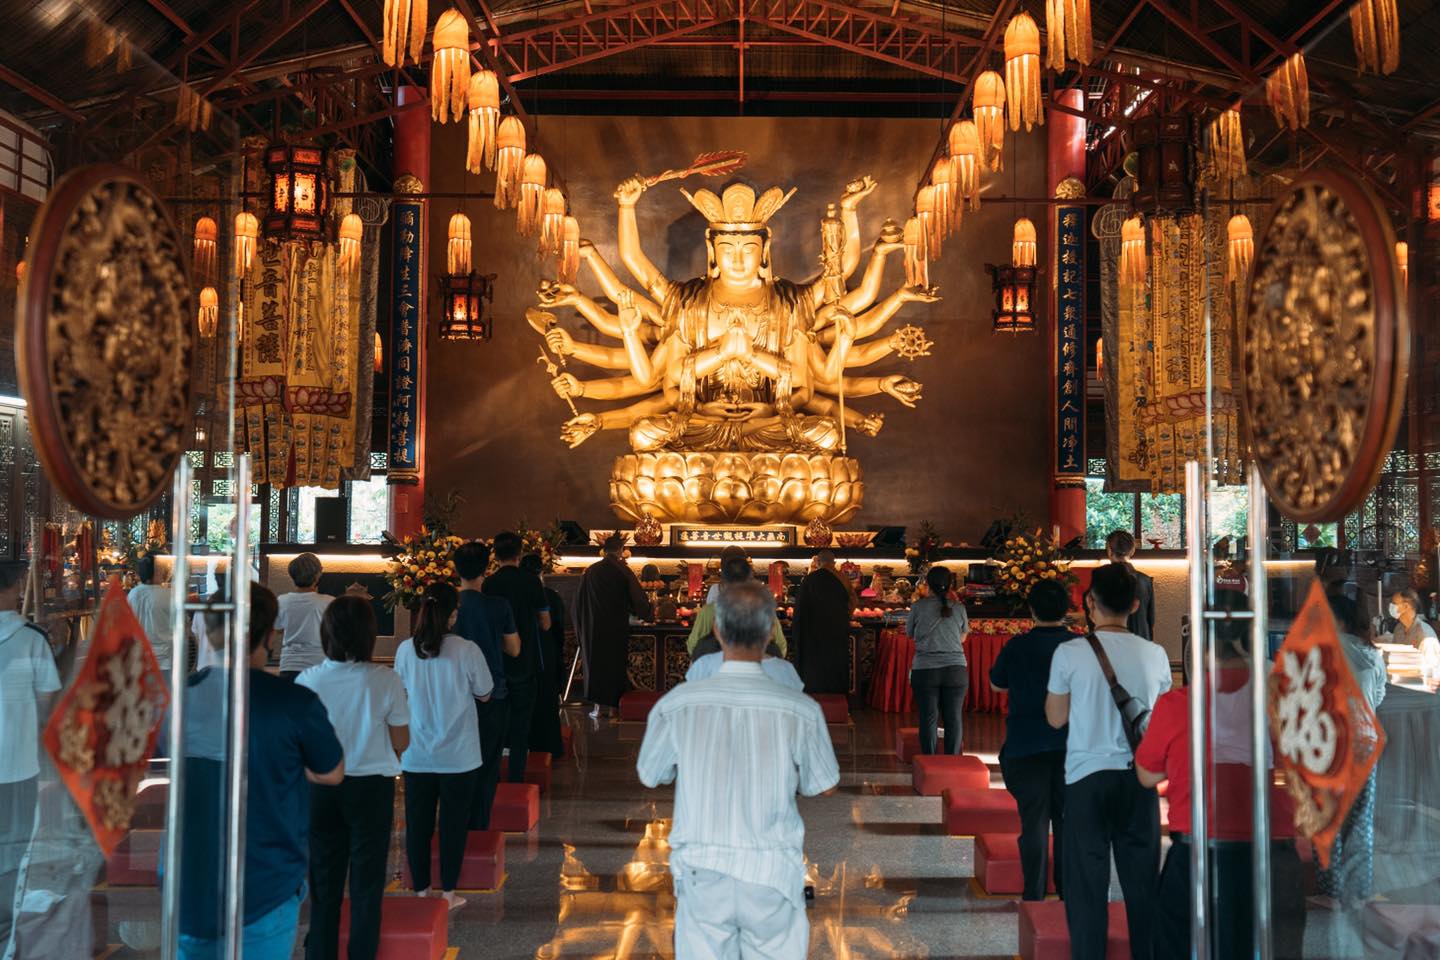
575 535
889 536
331 519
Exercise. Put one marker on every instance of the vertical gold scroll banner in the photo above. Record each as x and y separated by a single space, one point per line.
300 352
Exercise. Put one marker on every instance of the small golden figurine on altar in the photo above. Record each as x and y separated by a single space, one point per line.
738 379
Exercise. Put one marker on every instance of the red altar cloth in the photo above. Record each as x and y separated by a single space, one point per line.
890 689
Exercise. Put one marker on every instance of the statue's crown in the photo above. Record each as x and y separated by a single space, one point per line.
737 209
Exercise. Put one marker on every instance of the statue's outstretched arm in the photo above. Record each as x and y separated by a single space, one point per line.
563 344
872 321
610 283
582 427
869 289
855 191
904 389
867 423
611 388
655 283
644 366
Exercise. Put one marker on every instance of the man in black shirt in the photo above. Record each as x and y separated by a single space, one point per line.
1032 758
526 596
1120 547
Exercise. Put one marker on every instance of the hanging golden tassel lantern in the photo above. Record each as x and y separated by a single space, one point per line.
209 319
1375 28
1241 245
925 214
457 247
917 259
247 234
1022 71
947 217
965 164
1402 261
352 228
1288 92
378 362
1023 247
528 209
569 265
1225 141
450 70
484 100
1067 30
552 221
509 159
1132 254
404 30
989 103
207 234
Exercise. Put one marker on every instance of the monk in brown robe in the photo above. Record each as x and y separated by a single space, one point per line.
609 594
822 627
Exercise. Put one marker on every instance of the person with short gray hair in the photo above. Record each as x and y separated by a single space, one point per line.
300 615
737 845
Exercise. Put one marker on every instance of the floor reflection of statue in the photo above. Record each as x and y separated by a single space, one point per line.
739 360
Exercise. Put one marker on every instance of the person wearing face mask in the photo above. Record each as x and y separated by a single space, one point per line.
444 674
1411 628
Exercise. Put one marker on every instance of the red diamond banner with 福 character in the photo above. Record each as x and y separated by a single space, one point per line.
102 733
1326 734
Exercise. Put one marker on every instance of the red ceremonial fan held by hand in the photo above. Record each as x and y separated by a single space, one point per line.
718 163
102 733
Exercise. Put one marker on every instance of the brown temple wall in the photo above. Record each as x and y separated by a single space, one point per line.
977 446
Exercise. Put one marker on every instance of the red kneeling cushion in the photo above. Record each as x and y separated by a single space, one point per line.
636 704
834 705
934 773
483 867
537 770
998 867
411 928
135 862
1044 934
969 813
150 807
907 742
516 809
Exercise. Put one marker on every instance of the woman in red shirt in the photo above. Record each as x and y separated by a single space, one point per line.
1164 754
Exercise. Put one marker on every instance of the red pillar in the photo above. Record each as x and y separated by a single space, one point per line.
412 174
1066 159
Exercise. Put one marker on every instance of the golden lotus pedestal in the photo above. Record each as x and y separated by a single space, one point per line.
751 488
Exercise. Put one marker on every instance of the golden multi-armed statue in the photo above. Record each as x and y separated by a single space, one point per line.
741 401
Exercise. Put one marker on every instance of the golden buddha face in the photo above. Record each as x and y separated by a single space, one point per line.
739 259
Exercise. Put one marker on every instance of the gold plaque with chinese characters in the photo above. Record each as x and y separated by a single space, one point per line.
1324 349
103 341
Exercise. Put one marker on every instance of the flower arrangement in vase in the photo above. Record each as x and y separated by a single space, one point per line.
1026 559
924 549
423 559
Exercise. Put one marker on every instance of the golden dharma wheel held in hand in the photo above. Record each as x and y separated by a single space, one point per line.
736 382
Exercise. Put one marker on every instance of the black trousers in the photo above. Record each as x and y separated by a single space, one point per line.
454 793
1037 782
940 691
521 694
1110 812
349 837
1233 913
17 827
494 719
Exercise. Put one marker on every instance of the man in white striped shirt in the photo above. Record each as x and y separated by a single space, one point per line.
738 747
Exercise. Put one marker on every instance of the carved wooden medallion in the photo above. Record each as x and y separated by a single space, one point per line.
104 338
1324 348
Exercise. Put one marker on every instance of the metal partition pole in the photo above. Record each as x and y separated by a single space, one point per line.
239 712
1260 729
175 797
1198 548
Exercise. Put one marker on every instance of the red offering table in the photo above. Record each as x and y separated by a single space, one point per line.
890 683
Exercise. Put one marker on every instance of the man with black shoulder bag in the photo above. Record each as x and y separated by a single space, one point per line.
1104 686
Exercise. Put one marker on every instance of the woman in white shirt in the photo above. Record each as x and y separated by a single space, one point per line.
444 675
350 823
